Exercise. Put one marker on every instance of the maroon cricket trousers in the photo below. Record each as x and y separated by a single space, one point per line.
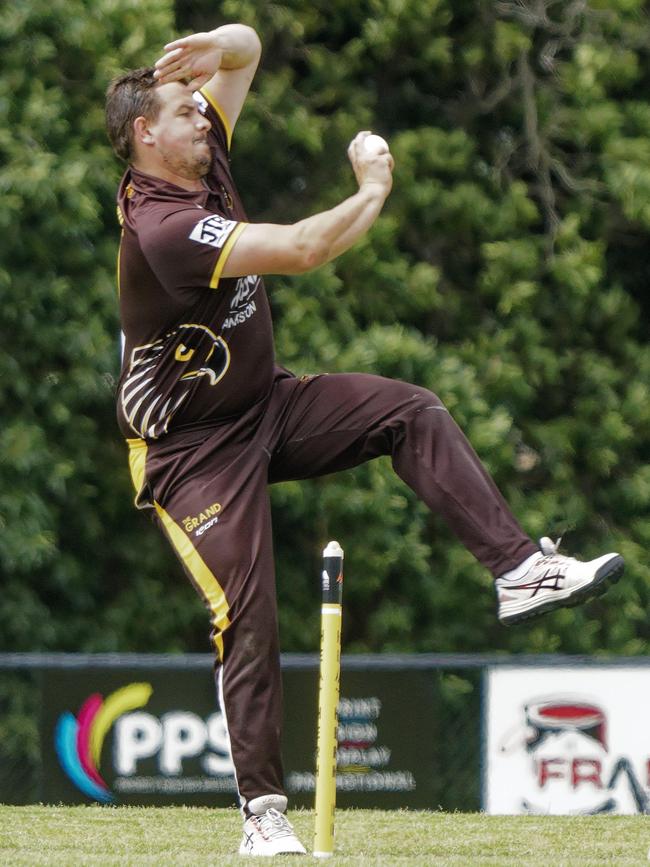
210 491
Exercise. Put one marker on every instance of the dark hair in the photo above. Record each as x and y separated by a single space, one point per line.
129 96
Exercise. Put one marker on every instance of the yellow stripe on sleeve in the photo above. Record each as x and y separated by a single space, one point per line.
222 115
223 258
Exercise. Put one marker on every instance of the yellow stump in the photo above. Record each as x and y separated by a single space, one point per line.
328 699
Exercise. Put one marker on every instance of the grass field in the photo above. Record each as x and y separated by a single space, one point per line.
169 837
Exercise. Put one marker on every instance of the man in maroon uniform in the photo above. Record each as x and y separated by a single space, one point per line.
211 419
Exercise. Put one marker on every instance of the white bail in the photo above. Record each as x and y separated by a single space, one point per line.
333 550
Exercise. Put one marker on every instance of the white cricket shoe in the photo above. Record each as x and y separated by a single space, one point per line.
553 581
268 832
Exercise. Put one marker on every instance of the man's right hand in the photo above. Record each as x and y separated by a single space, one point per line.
276 249
370 168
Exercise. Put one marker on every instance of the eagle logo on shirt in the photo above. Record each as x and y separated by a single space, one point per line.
154 390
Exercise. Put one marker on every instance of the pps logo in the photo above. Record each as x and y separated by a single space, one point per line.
78 741
161 742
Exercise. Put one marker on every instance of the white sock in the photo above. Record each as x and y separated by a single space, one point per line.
519 571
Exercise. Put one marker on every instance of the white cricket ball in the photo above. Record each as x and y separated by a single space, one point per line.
375 145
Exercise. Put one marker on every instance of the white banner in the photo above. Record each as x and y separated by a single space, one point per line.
567 740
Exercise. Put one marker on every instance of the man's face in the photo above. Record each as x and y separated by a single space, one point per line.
180 132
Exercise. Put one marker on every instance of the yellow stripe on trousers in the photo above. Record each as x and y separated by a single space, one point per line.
202 576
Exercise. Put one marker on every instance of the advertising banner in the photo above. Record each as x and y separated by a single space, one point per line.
155 736
567 740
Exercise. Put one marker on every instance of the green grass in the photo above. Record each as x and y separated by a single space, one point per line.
175 836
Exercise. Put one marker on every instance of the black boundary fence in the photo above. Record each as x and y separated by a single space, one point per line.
453 728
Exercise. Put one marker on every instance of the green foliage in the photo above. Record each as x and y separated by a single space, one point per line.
496 276
70 547
508 273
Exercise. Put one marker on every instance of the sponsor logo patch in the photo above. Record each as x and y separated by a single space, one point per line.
245 288
242 303
207 518
213 230
201 101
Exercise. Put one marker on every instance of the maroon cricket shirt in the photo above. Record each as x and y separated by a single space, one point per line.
198 347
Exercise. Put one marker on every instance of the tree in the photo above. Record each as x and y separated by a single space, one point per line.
78 565
497 276
506 273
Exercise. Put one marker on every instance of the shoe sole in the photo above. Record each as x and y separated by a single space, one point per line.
608 574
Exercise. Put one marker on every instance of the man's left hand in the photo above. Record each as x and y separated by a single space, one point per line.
192 59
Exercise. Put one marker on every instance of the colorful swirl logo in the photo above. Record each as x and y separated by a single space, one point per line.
78 741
